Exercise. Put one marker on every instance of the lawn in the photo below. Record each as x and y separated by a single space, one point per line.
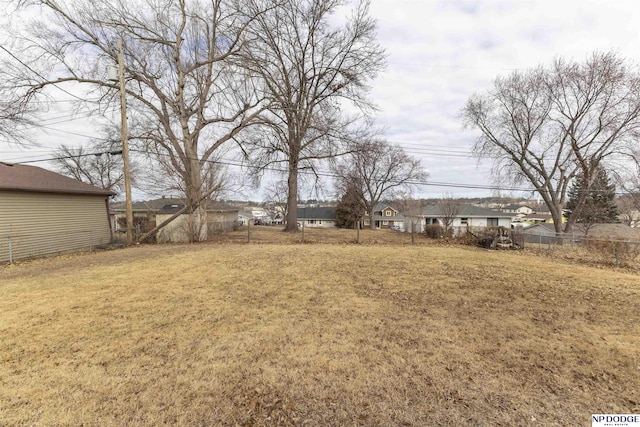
317 335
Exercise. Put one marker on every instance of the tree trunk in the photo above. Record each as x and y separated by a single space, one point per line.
372 223
197 213
556 215
292 198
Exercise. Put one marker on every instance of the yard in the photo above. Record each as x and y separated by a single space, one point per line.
316 334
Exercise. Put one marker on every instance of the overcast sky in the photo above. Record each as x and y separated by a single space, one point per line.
439 53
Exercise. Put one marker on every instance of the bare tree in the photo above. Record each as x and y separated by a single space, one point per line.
99 164
409 207
449 207
310 68
377 169
546 125
276 198
182 85
13 122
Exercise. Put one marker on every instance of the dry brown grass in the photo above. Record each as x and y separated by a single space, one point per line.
275 235
234 334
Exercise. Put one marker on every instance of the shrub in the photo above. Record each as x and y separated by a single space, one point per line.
434 231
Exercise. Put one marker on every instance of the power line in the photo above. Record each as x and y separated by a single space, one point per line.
326 174
461 67
72 156
40 75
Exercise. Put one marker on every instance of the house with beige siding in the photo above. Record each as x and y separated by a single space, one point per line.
44 213
220 218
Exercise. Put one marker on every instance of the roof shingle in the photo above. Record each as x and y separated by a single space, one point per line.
14 177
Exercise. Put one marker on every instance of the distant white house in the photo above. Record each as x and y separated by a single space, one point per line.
317 217
245 218
468 217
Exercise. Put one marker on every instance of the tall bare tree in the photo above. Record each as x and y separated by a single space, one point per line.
377 169
181 82
311 67
546 125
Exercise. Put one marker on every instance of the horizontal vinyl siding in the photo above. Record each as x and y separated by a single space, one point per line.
40 224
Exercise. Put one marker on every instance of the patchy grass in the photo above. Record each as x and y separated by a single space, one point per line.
275 235
284 334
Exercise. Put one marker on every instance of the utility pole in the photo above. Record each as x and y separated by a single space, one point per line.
125 143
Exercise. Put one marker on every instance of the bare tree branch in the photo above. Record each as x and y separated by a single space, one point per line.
546 125
308 67
376 170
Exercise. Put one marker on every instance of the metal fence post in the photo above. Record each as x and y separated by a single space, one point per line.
358 231
10 251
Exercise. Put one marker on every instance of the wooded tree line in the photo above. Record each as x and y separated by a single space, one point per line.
286 83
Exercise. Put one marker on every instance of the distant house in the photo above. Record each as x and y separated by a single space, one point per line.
245 218
469 216
385 216
537 218
147 214
317 217
630 217
220 217
144 213
517 210
43 213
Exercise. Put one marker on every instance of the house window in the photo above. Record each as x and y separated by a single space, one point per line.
387 213
492 222
319 222
464 221
385 222
311 221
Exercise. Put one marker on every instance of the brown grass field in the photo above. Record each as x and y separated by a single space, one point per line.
316 335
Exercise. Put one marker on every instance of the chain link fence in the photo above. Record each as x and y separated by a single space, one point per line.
275 234
612 251
574 247
26 246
